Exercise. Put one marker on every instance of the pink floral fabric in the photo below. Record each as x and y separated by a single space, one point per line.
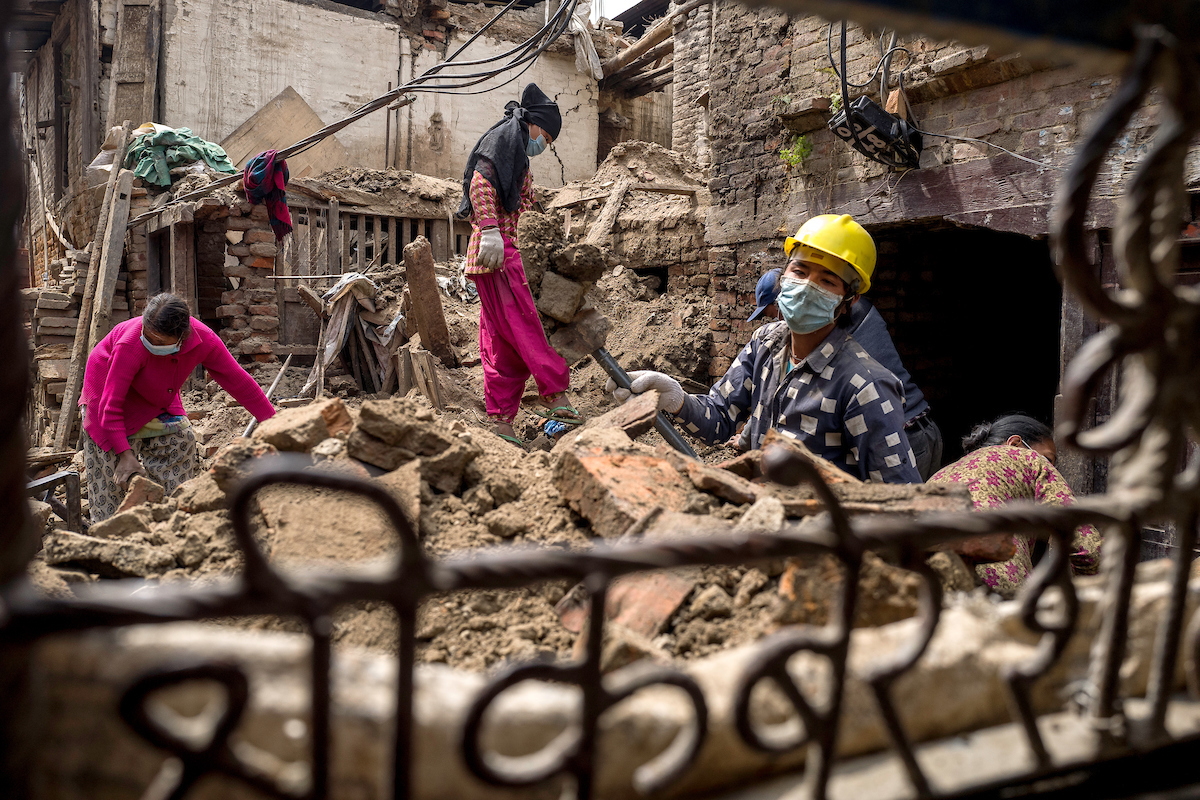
998 475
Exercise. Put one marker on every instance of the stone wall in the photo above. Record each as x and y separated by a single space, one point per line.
769 71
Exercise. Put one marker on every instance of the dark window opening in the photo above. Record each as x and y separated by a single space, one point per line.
653 278
975 316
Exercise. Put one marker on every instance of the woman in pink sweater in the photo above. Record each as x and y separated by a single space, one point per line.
133 420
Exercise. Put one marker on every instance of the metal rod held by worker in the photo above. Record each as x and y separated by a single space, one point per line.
661 423
271 391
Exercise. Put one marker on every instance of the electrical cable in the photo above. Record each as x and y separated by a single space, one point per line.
438 79
885 57
989 144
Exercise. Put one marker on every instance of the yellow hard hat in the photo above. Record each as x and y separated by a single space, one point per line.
852 248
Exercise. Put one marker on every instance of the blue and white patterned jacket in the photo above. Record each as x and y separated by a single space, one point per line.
841 403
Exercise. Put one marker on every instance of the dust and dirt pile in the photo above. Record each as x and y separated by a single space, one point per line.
462 488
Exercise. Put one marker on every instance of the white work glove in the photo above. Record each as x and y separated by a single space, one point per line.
491 248
670 393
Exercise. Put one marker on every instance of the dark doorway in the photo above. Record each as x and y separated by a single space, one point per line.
975 316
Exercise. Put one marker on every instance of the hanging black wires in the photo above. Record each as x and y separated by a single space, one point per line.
864 124
450 76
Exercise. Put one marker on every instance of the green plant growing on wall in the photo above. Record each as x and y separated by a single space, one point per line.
780 103
835 102
794 153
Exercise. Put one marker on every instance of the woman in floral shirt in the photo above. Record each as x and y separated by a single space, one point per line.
1013 459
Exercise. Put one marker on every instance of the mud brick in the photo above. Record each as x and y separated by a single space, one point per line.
255 236
560 298
109 557
301 429
263 249
264 323
644 602
230 311
265 311
582 336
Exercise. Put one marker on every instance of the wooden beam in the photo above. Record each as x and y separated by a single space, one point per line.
79 349
602 227
655 85
661 30
333 238
391 247
648 77
361 262
649 57
110 259
427 301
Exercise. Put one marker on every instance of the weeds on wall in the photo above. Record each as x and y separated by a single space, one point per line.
796 151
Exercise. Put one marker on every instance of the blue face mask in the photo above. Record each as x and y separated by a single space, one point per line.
535 147
805 306
161 349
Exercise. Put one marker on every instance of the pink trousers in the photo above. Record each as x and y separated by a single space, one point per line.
512 343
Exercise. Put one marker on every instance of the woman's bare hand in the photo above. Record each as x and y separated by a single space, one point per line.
127 467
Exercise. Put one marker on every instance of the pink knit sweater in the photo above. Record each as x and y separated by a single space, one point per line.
124 386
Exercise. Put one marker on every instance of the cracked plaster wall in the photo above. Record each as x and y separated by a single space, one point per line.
224 59
440 144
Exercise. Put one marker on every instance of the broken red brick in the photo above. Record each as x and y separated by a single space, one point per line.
612 489
643 602
142 490
438 35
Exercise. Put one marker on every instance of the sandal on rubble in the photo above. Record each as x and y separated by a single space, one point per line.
564 414
513 440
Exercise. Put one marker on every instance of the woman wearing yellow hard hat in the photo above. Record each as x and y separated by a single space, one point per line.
805 375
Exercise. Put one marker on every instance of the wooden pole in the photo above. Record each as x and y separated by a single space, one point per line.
649 57
427 301
661 30
110 261
79 349
598 235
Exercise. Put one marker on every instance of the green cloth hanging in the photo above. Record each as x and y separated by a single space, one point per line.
152 155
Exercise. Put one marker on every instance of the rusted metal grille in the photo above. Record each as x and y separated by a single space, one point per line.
1154 335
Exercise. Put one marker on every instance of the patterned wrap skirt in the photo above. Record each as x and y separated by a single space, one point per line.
169 460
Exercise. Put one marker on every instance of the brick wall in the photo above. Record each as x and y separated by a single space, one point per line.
766 68
249 311
692 35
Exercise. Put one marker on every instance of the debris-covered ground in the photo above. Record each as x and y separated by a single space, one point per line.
463 488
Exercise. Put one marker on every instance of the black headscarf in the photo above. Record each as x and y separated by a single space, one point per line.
502 148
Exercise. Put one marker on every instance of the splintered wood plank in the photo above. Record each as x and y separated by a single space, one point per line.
439 239
110 259
377 250
79 348
333 238
346 263
361 262
391 245
427 301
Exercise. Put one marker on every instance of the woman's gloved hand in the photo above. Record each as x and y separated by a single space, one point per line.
670 393
491 248
127 467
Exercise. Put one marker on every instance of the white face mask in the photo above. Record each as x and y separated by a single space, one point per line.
161 349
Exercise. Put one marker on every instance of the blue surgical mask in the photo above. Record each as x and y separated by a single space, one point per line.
534 147
805 306
161 349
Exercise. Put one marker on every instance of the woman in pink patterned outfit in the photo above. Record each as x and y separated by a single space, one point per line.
1010 459
497 190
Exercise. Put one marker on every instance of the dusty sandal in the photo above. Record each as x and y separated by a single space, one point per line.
564 414
512 439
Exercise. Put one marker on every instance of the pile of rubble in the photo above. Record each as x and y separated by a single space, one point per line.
463 488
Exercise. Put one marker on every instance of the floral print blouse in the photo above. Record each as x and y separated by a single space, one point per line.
998 475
